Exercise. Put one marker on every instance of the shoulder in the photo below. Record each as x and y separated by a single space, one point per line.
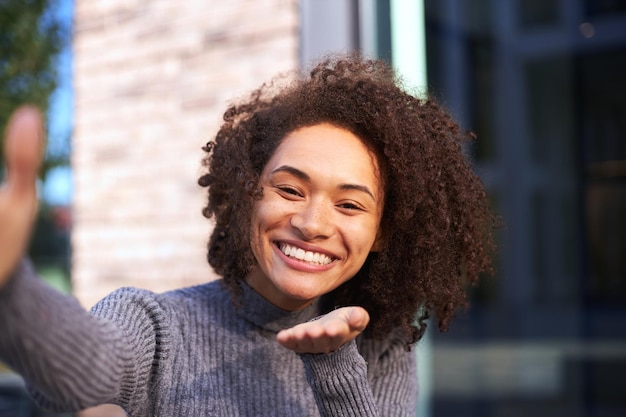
132 301
208 291
156 319
390 349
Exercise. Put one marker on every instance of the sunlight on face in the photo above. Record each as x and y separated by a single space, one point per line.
319 216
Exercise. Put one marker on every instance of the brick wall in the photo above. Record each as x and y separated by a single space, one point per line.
151 81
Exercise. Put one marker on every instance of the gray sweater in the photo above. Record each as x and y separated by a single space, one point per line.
191 352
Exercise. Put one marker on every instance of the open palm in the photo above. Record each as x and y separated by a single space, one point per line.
326 334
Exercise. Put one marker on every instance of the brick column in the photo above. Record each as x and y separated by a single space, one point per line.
151 80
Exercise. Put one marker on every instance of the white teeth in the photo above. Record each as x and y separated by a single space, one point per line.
307 256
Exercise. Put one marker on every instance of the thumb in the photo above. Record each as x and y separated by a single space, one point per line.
357 318
24 149
18 199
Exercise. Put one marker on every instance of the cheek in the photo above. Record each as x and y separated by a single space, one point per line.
264 215
261 213
255 229
362 238
256 244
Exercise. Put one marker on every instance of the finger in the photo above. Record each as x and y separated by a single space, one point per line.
344 325
319 337
286 339
23 149
293 337
304 343
357 318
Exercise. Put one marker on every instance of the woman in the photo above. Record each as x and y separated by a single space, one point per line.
345 213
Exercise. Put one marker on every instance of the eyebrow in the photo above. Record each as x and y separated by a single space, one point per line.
305 177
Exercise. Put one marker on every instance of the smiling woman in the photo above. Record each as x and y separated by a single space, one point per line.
434 236
322 199
345 213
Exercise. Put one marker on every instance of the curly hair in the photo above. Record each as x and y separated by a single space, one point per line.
437 225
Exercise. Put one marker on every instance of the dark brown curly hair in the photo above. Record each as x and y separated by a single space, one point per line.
436 223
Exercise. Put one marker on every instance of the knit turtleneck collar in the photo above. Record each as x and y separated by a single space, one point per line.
261 312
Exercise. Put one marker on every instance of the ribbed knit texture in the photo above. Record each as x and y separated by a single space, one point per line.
191 352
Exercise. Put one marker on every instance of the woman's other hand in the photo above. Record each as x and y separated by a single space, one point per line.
326 334
23 151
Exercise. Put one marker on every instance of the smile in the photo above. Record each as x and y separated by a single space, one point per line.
306 256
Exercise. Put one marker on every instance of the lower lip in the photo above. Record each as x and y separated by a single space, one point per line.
302 265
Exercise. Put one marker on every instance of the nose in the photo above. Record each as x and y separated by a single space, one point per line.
314 221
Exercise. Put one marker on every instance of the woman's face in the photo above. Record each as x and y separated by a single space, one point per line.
319 216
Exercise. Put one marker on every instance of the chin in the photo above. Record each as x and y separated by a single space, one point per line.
302 293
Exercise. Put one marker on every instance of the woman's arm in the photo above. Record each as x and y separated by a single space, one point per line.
344 383
392 373
72 359
42 332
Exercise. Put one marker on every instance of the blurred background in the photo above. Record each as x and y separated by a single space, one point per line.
133 89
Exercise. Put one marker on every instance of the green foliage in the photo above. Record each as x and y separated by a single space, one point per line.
50 247
31 37
30 40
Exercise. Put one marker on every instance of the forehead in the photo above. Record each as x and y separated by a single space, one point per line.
325 148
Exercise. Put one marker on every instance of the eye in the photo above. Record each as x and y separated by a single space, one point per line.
288 191
351 206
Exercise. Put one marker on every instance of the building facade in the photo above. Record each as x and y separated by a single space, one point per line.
540 82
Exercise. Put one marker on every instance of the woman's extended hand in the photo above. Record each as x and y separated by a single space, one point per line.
326 334
23 148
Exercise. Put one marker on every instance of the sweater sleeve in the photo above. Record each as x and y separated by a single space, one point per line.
344 384
70 358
